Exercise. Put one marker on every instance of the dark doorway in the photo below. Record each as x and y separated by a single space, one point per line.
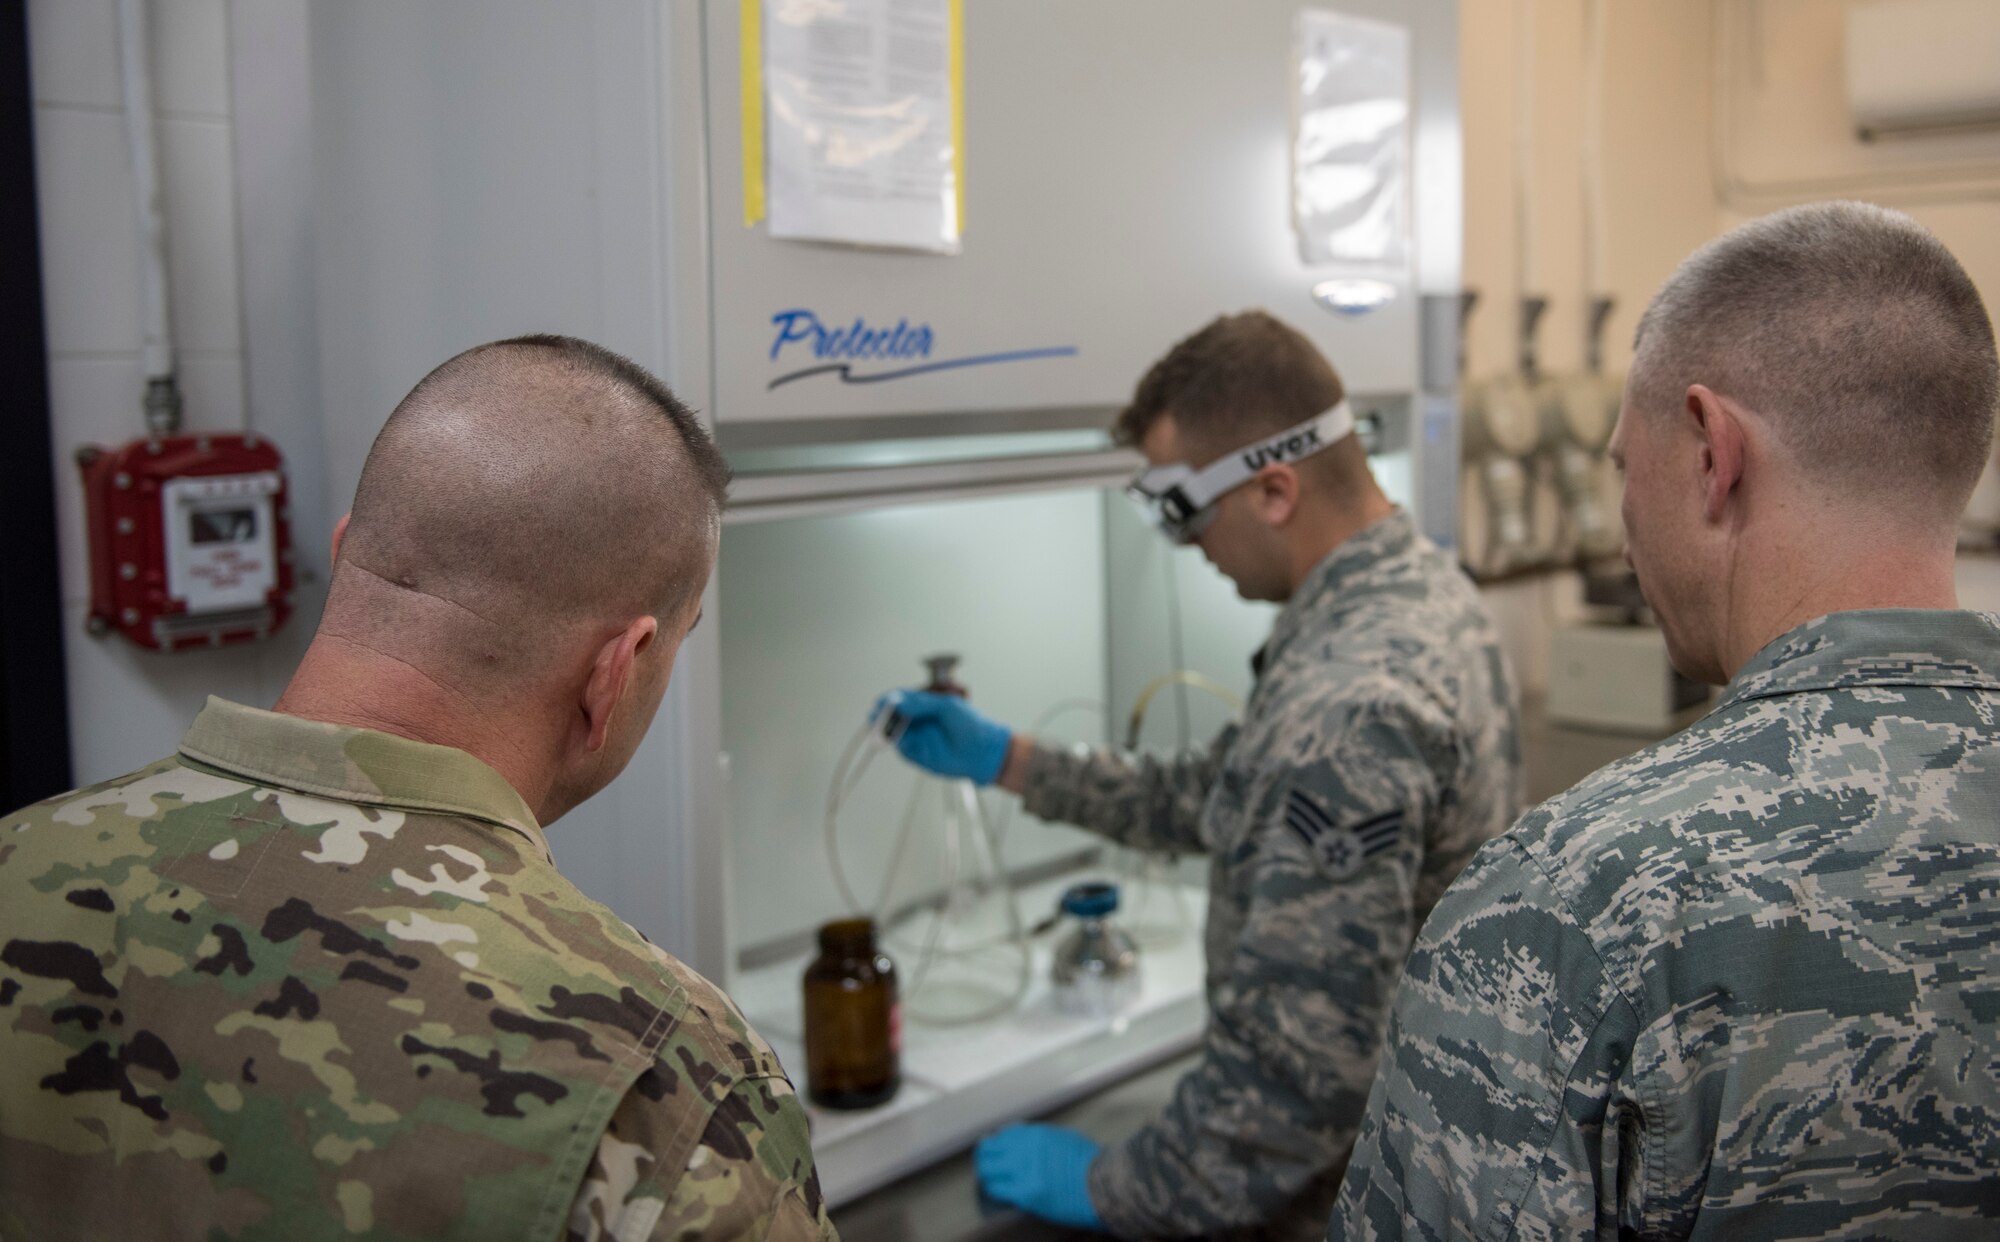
34 705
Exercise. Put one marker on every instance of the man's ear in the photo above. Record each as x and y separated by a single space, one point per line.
339 533
1274 492
1722 438
611 677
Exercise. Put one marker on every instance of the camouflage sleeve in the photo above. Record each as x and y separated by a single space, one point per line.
750 1177
1503 1108
1256 1132
1139 800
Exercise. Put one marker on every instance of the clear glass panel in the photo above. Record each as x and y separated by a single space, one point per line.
1066 608
1169 609
821 615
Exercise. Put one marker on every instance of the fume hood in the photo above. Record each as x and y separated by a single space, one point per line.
480 169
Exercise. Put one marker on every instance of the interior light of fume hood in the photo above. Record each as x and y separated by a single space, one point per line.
1354 297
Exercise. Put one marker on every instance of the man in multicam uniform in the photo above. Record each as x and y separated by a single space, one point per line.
1746 983
316 976
1379 749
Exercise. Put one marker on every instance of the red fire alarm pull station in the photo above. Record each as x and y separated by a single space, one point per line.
190 543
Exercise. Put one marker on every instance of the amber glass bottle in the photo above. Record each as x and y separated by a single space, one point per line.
854 1033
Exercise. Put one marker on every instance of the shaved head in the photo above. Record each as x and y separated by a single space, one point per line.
1856 333
525 490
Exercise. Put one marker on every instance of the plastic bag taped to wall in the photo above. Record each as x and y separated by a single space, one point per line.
861 101
1351 145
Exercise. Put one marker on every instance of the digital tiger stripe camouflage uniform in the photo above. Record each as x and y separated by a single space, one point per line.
307 982
1743 984
1379 749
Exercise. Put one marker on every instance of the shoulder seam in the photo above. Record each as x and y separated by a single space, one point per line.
1534 856
712 1037
1528 1175
1652 1110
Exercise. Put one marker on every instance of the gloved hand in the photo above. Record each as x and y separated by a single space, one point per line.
1040 1169
942 733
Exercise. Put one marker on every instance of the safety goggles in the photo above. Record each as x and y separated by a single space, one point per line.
1180 500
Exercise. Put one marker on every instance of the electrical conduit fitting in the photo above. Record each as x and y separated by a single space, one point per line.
162 404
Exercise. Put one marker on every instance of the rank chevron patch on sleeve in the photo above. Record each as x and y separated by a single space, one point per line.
1340 851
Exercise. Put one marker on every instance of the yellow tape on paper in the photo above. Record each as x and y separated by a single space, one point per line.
751 14
957 54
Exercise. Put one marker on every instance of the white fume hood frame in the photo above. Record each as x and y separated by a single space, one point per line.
421 178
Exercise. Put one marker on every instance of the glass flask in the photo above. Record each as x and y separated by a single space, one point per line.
1097 965
958 920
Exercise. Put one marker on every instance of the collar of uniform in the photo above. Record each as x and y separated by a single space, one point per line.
355 765
1880 647
1385 537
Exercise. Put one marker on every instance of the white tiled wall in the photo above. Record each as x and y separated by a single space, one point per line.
128 706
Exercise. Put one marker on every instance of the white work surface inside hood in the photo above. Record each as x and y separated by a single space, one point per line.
962 1082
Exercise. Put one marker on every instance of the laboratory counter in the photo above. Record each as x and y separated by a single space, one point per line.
942 1203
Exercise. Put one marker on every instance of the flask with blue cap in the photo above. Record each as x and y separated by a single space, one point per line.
1096 965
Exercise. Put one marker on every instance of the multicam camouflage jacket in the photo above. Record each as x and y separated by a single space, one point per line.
307 982
1744 984
1379 749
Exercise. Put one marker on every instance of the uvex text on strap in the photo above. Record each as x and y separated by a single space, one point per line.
1181 500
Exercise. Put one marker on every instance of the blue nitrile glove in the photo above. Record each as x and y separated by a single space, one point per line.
942 733
1040 1169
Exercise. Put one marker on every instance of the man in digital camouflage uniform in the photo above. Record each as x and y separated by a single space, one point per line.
1378 750
316 976
1746 983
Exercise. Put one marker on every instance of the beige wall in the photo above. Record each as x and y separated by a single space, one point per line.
1715 111
1659 195
1788 137
1670 180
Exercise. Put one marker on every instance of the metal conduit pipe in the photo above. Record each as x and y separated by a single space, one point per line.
162 400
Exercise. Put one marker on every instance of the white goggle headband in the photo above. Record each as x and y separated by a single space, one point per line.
1181 501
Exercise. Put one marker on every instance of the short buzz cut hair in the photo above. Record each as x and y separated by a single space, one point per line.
1240 378
1854 331
532 483
705 461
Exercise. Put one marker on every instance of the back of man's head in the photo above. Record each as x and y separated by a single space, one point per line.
524 491
1856 334
1237 380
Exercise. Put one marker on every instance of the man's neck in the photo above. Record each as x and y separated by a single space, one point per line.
1768 600
343 682
1316 540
